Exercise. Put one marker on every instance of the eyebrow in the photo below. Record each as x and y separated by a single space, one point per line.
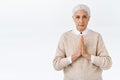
82 15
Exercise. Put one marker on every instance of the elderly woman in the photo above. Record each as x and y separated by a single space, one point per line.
81 53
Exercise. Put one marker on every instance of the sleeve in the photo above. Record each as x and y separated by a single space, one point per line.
60 61
92 58
70 59
102 58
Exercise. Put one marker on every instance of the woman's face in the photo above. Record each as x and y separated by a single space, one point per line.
81 19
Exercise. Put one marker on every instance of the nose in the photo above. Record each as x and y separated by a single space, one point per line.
80 20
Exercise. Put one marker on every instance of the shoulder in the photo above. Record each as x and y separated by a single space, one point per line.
67 33
94 33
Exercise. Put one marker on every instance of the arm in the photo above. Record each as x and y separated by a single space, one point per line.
103 60
60 61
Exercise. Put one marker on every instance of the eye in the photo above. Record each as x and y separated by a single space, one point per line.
84 16
77 17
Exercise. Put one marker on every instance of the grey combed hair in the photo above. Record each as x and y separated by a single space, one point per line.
81 7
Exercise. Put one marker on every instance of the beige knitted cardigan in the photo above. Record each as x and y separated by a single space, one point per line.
82 69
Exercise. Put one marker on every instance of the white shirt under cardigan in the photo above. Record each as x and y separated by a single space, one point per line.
79 33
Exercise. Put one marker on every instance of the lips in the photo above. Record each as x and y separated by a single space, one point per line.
81 25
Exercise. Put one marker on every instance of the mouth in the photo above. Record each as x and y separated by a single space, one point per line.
81 25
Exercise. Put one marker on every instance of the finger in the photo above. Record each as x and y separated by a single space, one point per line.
81 45
82 42
82 39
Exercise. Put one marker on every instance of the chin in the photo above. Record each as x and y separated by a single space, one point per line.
81 29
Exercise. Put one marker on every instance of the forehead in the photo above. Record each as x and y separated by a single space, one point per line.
81 12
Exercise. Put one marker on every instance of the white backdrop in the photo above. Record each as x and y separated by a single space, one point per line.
30 30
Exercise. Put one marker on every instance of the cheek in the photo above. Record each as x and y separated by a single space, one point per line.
86 22
76 21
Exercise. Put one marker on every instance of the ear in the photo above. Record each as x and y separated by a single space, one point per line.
73 18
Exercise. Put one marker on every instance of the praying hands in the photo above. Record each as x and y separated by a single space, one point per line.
81 51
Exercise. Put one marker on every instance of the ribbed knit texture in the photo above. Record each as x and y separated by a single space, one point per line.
82 69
